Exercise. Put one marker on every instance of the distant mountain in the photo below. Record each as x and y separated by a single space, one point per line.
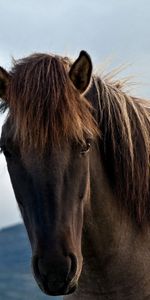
16 280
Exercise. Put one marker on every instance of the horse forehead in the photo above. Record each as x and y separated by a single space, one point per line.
53 159
51 151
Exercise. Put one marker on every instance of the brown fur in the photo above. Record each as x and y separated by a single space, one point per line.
44 105
125 144
46 108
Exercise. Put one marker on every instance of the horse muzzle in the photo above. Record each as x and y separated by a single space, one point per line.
57 275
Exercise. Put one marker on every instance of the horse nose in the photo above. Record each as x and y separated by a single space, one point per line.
55 274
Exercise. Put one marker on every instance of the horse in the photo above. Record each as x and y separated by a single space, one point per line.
77 148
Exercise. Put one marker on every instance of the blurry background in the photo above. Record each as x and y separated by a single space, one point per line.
117 31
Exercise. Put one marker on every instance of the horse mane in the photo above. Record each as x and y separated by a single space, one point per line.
44 106
124 123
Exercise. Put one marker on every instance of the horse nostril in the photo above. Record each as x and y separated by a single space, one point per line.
55 275
64 268
73 268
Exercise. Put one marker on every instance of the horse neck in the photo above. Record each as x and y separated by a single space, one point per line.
116 255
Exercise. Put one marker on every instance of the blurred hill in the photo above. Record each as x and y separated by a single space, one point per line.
16 280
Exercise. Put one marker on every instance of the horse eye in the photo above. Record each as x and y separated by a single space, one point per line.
85 148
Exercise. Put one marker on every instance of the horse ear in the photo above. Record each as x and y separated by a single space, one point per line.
4 80
80 72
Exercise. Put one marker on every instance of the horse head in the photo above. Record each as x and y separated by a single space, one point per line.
46 141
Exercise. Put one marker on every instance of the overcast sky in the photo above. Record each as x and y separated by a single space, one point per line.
114 29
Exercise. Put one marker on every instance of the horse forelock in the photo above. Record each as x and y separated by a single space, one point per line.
125 144
45 108
44 105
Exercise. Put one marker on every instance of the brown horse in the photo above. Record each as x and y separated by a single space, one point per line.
78 154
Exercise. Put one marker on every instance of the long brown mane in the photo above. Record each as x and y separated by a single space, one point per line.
44 106
125 145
